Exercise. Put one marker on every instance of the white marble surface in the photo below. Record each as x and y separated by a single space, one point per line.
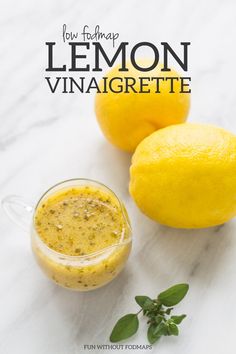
47 138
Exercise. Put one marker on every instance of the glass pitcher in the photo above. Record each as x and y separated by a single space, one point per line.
83 272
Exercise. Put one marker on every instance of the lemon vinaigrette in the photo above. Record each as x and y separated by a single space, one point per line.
81 236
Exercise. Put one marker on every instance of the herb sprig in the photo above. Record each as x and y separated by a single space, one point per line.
158 312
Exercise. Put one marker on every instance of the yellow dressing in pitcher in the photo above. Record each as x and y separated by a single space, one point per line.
85 225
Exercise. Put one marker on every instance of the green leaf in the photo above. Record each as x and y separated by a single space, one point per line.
158 319
125 327
173 329
168 311
178 319
173 295
145 302
152 337
161 329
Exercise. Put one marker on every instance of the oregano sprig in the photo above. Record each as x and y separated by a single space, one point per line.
158 312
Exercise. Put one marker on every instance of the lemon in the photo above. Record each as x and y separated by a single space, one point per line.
127 118
184 176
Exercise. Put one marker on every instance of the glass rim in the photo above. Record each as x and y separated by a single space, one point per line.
89 255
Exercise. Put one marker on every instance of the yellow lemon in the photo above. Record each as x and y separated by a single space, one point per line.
184 176
127 118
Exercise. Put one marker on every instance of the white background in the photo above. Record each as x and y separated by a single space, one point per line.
46 138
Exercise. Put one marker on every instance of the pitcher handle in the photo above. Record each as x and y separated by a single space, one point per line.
18 211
